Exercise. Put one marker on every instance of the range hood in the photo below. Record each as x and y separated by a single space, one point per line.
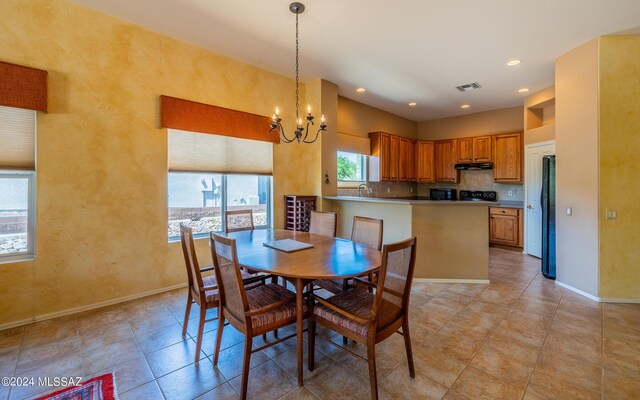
472 166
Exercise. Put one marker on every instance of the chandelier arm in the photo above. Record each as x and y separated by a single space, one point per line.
314 139
284 136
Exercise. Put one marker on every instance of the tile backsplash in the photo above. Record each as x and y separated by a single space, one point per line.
385 189
478 180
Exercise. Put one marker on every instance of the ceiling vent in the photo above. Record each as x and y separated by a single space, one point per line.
469 87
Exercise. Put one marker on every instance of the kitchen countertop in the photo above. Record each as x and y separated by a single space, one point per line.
411 201
510 204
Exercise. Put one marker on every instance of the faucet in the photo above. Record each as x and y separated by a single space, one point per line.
366 189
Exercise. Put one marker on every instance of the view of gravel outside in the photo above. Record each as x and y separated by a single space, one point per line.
210 223
13 231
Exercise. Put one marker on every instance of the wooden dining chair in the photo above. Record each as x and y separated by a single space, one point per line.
323 223
238 220
202 290
370 318
254 311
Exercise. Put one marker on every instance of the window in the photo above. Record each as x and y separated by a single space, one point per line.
351 167
17 184
201 199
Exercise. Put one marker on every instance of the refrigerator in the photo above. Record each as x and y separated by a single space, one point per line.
548 204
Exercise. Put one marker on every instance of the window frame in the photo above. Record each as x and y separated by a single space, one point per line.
223 202
346 184
30 254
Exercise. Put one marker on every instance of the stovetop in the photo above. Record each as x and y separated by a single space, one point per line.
477 195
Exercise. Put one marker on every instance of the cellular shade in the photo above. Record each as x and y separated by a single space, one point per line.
23 87
198 117
354 144
198 152
17 138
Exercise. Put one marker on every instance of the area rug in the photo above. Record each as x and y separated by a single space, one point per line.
101 387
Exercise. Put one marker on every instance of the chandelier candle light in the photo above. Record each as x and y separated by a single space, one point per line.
301 134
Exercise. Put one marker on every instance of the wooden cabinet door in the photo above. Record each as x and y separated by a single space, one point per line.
403 170
446 158
507 156
465 150
385 155
482 149
504 229
425 161
410 160
394 158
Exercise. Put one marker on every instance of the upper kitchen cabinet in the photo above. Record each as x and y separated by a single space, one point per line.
392 158
507 158
446 157
474 149
407 160
425 161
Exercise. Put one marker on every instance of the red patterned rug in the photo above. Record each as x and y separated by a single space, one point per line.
101 387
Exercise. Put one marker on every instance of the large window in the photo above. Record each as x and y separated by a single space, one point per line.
351 167
201 199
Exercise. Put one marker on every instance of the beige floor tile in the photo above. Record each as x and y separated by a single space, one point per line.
172 358
509 368
230 337
50 331
385 364
69 365
299 393
522 328
454 396
98 338
8 360
549 387
438 366
95 360
151 323
100 319
149 391
289 362
500 294
455 346
458 297
190 381
567 369
479 385
623 314
129 374
222 392
584 348
399 385
337 383
11 337
266 382
471 289
36 356
161 338
230 360
620 387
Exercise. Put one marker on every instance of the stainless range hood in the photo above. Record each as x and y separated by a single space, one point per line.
473 166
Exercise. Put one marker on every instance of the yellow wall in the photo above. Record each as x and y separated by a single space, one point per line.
358 119
505 120
545 101
577 167
620 166
102 161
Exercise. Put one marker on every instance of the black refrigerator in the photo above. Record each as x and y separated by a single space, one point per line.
548 204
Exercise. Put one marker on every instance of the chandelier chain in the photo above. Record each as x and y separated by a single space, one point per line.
297 72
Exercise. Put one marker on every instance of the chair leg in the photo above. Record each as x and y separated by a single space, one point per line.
373 377
311 336
248 343
345 340
275 333
218 337
187 311
203 317
264 337
407 345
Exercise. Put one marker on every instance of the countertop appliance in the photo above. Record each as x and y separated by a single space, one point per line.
478 195
474 166
442 194
548 205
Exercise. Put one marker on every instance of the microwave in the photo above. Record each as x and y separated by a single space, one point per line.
443 194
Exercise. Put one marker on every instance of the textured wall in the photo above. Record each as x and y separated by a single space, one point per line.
358 119
619 166
505 120
102 161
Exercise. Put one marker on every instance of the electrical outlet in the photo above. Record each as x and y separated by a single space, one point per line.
388 190
612 214
569 211
411 190
510 193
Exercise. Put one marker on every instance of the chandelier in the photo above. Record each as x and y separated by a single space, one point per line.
301 134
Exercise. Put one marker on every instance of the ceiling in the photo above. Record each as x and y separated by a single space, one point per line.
401 51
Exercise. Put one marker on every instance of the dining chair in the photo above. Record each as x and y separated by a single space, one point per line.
252 311
238 220
323 223
366 231
202 290
370 318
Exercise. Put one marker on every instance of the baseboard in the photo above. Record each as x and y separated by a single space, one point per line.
89 307
437 280
594 298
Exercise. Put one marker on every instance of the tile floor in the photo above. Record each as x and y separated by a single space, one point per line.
521 337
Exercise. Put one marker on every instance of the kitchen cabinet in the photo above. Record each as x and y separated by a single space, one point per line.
507 158
394 158
506 226
379 163
474 149
425 161
407 170
446 158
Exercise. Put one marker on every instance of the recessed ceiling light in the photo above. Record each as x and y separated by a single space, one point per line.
523 90
412 104
361 90
513 62
465 106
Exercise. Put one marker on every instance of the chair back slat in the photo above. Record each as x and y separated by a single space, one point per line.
395 277
238 220
367 231
231 288
323 223
191 261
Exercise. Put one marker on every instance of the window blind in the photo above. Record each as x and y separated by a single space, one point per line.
17 138
198 152
354 144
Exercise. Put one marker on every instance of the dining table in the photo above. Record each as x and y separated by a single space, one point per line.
329 258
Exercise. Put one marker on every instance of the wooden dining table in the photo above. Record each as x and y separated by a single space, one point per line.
329 258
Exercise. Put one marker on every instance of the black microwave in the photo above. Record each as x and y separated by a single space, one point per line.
443 194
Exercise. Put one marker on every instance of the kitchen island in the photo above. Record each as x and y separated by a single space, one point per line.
452 236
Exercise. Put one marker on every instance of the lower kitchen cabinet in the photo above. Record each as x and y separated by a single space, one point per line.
506 226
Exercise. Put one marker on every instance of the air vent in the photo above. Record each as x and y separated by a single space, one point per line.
468 87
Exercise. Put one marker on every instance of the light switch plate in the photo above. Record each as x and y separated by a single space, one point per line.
612 214
569 211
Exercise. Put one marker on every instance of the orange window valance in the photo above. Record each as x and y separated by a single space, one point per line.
23 87
191 116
